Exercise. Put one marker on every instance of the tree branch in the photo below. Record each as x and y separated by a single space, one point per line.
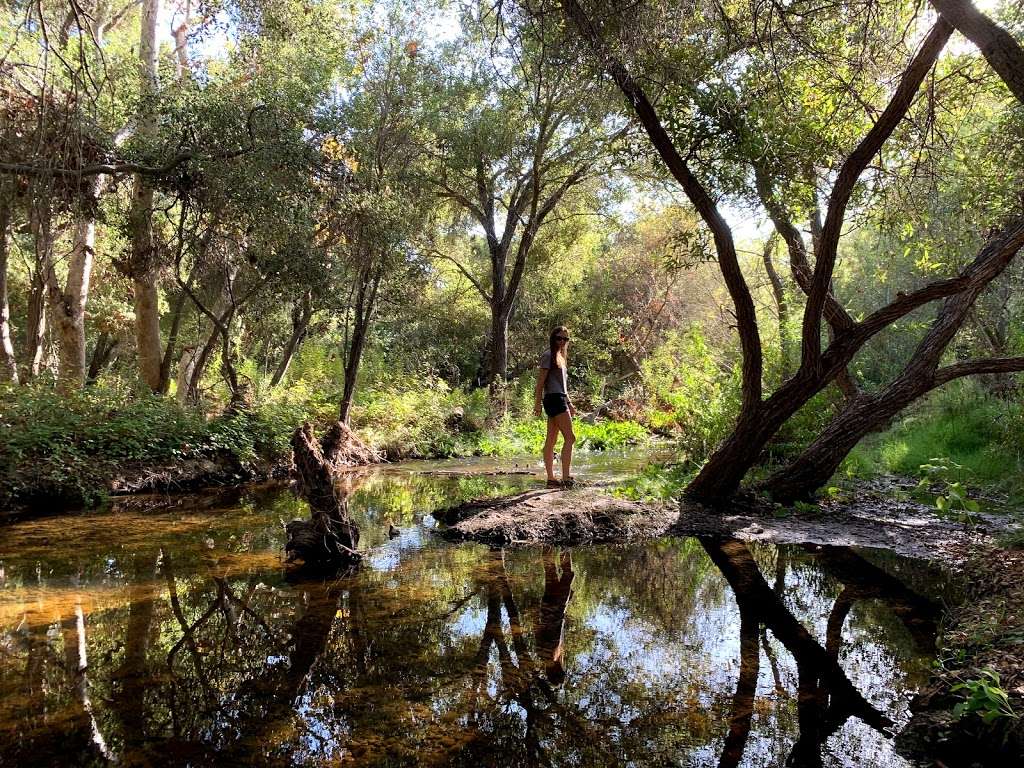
972 367
850 173
728 262
998 46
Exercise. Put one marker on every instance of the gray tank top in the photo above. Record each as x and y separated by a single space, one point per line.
557 381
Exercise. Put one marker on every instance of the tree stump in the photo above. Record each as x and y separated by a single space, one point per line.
329 537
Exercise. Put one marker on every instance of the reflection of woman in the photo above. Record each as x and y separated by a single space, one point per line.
552 393
551 626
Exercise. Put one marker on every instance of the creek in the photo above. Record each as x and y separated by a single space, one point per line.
163 630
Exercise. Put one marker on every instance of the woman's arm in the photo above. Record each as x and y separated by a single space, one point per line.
538 391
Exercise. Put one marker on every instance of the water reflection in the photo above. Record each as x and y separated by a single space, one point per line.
173 638
826 698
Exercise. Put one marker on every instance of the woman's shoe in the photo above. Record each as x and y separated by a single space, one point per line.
554 483
569 482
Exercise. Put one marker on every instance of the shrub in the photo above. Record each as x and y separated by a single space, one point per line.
689 393
68 446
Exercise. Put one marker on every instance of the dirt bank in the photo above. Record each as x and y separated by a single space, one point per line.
592 514
588 515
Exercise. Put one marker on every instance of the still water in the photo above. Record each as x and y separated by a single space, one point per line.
163 631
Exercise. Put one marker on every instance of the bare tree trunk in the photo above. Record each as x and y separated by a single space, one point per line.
498 369
186 369
302 314
366 301
35 329
220 312
8 363
759 419
198 365
67 305
102 354
147 329
172 342
143 267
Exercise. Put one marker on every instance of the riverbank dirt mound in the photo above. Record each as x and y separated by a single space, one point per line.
591 515
540 516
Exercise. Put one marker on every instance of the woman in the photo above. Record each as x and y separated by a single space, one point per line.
552 393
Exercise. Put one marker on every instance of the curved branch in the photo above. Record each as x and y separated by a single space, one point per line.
972 367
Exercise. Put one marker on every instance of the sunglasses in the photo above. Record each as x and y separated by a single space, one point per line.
561 338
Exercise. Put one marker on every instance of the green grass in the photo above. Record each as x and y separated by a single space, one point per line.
979 433
526 436
69 446
656 482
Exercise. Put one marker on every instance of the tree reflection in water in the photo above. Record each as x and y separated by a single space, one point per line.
825 696
456 656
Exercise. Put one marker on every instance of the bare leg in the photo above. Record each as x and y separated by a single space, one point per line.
564 421
549 449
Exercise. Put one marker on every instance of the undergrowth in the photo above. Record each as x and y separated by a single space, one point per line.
980 436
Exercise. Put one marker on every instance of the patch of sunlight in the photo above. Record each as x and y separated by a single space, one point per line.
894 453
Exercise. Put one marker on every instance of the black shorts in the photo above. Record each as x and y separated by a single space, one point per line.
555 403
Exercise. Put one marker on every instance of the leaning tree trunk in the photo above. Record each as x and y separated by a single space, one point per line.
329 537
8 363
366 303
820 460
302 314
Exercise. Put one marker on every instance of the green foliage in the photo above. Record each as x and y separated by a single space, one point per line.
952 498
985 697
410 416
656 482
978 436
687 392
68 446
526 437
